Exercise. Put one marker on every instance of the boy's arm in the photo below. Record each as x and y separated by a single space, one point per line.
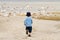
24 22
31 21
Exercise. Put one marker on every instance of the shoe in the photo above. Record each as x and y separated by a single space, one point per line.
27 32
29 35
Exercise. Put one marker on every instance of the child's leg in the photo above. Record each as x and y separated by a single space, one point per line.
30 31
26 31
29 35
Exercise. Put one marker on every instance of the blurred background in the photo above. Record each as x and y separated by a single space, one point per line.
40 8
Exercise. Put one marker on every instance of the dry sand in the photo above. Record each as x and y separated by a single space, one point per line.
12 28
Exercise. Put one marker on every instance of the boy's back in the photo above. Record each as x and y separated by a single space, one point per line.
28 21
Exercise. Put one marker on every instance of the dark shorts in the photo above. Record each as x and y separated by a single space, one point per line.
29 29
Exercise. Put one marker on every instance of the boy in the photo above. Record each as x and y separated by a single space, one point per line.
28 24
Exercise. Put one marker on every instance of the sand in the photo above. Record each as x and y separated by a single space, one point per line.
12 28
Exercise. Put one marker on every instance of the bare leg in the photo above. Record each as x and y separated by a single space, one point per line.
27 32
29 35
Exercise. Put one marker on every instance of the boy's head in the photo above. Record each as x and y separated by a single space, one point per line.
28 14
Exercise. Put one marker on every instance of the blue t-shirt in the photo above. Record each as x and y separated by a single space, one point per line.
28 22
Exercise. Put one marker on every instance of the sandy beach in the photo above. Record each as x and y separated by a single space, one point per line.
12 28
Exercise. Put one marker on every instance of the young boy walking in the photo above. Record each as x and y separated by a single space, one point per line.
28 23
